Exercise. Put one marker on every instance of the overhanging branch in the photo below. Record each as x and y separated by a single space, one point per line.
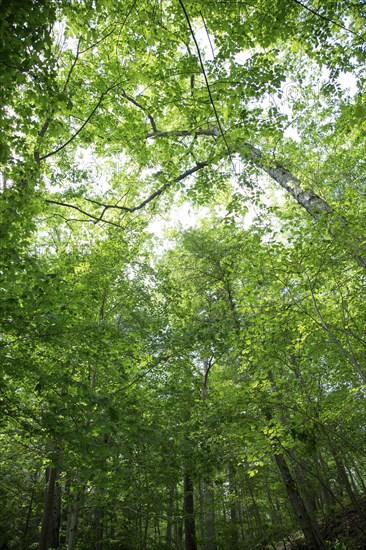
96 107
212 132
130 209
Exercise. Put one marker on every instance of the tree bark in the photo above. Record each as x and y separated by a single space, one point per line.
50 528
308 199
234 535
30 507
208 493
170 515
73 521
311 532
189 519
344 480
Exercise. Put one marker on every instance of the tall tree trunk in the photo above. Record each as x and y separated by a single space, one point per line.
234 535
344 480
72 523
307 488
257 516
170 515
276 514
178 534
242 536
360 479
30 507
202 513
208 493
189 519
308 527
50 528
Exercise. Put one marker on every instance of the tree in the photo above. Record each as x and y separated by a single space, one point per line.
213 381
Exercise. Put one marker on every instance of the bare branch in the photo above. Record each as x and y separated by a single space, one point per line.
160 362
46 124
98 41
73 206
208 86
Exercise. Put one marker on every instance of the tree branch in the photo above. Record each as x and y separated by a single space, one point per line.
43 157
333 337
206 80
130 209
137 104
213 132
314 12
72 65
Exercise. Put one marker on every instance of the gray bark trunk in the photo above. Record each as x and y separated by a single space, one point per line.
308 199
208 493
234 510
73 522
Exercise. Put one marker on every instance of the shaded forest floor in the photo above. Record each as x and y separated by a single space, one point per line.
343 530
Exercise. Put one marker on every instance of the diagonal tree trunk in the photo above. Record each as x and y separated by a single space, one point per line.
306 197
311 532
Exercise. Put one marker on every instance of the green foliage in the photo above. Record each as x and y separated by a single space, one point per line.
127 366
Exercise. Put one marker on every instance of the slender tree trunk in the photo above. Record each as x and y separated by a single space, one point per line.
146 529
201 513
189 519
208 493
327 496
50 528
360 479
344 480
170 516
73 521
308 527
274 507
234 538
257 516
307 488
241 523
178 535
30 507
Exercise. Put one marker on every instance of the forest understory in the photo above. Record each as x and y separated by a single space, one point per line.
344 529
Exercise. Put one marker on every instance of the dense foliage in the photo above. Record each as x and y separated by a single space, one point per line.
205 390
